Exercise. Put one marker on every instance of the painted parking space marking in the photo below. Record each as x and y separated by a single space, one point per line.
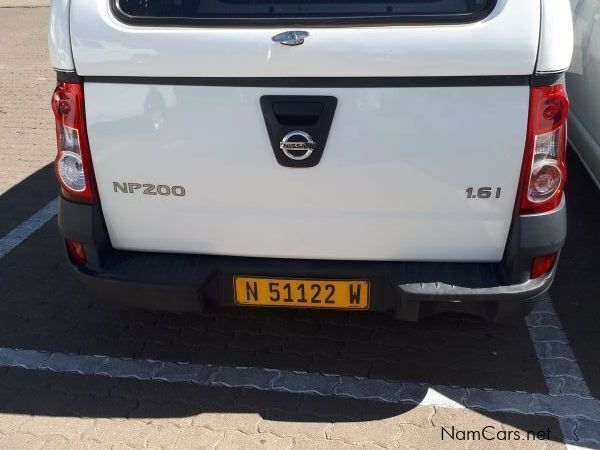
568 398
561 371
315 384
17 235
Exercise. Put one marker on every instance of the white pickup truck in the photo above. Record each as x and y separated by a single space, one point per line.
400 156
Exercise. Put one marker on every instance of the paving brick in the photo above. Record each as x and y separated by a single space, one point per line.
543 320
306 383
587 432
512 401
244 377
289 361
258 343
26 123
554 350
567 406
60 362
369 389
245 422
553 367
130 433
339 366
331 409
290 426
568 427
381 432
164 434
306 443
70 429
129 368
267 401
74 384
262 441
174 372
574 386
314 346
548 334
21 441
27 359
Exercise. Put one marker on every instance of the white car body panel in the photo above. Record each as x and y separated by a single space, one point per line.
390 186
59 36
504 43
583 82
556 37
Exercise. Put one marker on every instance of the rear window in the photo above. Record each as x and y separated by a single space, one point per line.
256 12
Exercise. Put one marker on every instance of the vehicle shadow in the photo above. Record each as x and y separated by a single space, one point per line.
43 307
67 395
576 289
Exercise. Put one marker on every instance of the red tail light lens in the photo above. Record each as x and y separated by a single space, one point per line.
76 251
544 171
542 265
73 164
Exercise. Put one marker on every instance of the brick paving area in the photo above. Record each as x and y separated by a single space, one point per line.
73 410
27 83
576 289
48 310
43 308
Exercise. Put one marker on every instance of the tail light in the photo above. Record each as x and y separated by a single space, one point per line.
544 171
73 162
541 265
76 251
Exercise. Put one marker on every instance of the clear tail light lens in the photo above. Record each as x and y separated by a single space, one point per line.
544 171
73 162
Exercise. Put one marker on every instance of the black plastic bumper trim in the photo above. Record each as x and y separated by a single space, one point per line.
67 77
409 290
547 78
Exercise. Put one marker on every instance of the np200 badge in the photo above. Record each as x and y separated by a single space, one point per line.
149 189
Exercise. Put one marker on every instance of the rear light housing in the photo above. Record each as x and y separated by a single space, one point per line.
541 265
544 171
76 251
73 164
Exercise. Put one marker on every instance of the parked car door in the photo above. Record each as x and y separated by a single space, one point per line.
583 82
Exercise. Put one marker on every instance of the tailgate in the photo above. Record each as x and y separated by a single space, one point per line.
426 117
503 43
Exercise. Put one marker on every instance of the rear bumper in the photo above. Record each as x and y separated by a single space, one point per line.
408 290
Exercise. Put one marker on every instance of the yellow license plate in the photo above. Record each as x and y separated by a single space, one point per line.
301 293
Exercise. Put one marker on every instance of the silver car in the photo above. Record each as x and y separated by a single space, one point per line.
583 80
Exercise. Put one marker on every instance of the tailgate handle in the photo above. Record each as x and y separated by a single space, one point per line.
309 116
297 113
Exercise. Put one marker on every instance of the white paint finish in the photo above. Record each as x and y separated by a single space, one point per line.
585 146
505 43
556 43
390 186
583 82
59 36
